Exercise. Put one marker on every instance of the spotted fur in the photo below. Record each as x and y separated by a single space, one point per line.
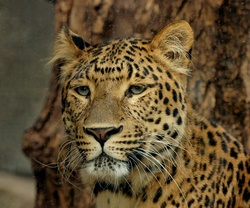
132 134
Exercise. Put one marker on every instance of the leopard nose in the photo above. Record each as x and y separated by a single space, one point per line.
102 134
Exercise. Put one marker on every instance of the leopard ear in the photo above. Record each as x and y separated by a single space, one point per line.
68 48
173 44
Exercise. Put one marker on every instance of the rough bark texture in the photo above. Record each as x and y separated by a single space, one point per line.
219 85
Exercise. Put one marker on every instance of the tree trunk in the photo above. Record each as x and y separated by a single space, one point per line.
219 86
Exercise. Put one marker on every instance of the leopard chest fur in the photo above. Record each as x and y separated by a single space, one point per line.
109 199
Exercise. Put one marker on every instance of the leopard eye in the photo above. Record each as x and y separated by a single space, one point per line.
83 90
136 89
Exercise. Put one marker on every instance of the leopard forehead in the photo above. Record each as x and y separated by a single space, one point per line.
117 60
169 49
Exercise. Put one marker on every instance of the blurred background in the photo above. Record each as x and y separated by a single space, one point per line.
27 33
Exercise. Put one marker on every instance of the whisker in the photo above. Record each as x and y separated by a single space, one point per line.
51 165
68 161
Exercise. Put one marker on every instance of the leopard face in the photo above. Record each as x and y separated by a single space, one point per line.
124 102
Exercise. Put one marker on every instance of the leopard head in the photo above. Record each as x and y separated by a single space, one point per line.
123 102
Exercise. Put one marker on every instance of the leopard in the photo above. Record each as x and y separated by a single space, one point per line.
132 133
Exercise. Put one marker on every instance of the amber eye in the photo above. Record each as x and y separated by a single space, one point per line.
83 90
136 89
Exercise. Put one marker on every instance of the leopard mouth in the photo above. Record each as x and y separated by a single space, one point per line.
106 166
104 161
103 158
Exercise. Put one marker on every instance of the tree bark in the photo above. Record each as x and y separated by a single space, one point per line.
219 86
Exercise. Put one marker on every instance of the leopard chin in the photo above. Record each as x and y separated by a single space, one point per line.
105 167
